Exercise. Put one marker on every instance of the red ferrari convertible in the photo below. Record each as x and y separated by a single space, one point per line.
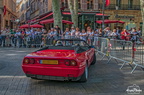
67 59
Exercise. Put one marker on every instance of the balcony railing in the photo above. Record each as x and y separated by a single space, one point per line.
121 7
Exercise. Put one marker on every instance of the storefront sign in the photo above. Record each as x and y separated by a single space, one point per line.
121 16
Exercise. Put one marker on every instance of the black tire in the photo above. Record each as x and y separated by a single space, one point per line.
94 59
84 76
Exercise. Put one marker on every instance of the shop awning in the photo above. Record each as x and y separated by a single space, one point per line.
109 21
100 14
52 21
68 13
45 16
65 13
36 26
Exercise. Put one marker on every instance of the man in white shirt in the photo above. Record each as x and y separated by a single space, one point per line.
72 32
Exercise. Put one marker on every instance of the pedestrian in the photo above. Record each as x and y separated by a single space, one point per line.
58 30
83 35
125 35
134 35
77 32
3 36
118 32
90 33
44 38
107 32
100 32
72 32
67 33
113 34
8 39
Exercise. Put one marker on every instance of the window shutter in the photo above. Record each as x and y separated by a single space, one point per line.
83 4
95 5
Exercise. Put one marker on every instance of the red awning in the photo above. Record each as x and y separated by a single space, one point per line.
45 16
36 26
65 13
68 13
52 21
109 21
24 26
121 22
100 14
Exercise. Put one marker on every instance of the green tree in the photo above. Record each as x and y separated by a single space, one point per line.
57 13
73 6
142 12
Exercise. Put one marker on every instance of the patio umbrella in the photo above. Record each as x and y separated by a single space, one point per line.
24 26
52 21
36 26
121 22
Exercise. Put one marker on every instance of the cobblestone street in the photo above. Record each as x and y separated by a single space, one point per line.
104 79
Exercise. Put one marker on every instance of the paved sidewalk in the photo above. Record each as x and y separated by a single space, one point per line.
104 79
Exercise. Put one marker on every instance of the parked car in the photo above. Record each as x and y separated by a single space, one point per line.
67 59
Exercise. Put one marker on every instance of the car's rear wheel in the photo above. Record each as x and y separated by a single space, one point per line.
94 59
84 76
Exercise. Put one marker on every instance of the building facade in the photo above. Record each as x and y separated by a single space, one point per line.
125 10
89 12
7 14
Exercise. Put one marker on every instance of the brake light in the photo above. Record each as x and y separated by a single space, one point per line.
26 61
29 61
70 63
32 61
67 62
73 63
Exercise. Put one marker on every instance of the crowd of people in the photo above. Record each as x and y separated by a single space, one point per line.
37 36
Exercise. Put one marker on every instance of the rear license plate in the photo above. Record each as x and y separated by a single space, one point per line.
52 62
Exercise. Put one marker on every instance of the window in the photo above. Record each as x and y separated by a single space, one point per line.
130 3
66 3
89 4
118 3
62 3
79 4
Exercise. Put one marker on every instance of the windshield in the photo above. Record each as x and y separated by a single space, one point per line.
70 43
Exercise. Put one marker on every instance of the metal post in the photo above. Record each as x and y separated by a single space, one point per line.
103 8
82 21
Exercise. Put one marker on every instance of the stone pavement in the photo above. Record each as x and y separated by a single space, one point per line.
104 79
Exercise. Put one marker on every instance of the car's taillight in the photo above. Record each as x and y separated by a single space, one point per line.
29 61
73 63
70 63
32 61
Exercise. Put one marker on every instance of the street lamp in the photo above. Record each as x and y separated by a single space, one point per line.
116 12
103 8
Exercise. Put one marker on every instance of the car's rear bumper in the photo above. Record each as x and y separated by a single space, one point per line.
53 73
53 77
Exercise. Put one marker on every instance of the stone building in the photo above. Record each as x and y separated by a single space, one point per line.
125 10
89 12
7 14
